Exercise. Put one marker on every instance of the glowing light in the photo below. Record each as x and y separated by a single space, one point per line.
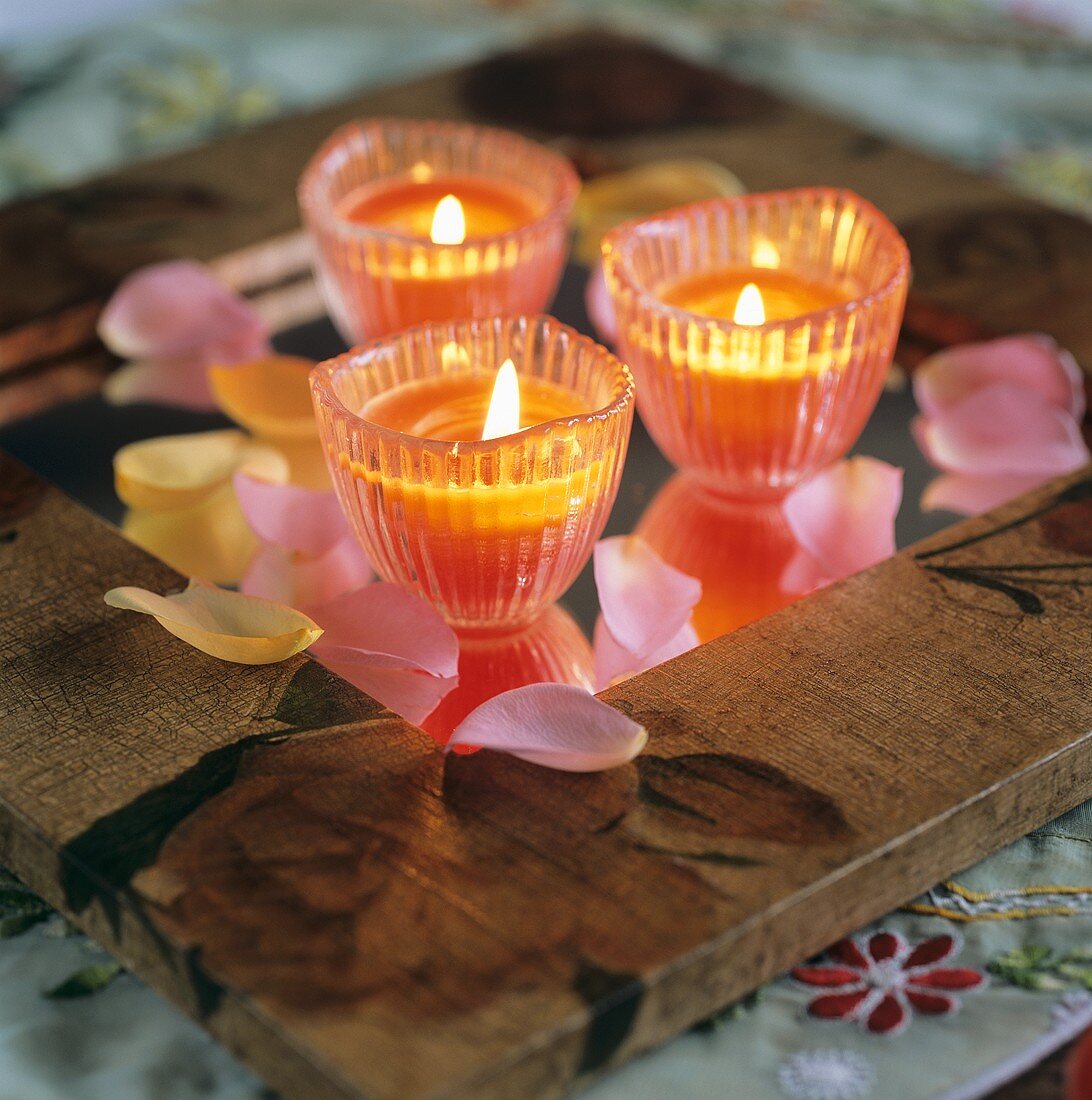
421 172
454 357
750 309
503 415
765 254
449 222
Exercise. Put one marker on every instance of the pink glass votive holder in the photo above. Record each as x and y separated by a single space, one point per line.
753 407
488 531
368 196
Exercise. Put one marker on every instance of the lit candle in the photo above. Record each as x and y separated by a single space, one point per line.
760 330
481 488
421 222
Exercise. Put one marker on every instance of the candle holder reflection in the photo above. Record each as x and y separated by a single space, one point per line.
739 550
551 649
416 222
490 531
760 330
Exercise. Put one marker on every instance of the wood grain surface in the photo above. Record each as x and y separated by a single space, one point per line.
985 259
358 915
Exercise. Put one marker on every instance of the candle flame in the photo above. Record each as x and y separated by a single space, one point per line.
503 415
449 222
750 309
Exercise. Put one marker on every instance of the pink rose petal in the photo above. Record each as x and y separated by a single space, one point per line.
174 382
803 575
301 581
270 575
554 725
171 309
844 517
600 308
614 663
390 644
1002 429
645 602
968 495
1032 362
294 518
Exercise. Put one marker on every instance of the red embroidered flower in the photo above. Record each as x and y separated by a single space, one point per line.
878 982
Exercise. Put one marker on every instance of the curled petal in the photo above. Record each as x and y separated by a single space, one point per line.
554 725
970 495
293 578
179 309
390 644
889 1017
614 663
175 382
223 624
803 574
1002 429
844 517
271 574
270 396
1032 362
210 539
645 602
291 517
615 197
306 461
597 302
179 471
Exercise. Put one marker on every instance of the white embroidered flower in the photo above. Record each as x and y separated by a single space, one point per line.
826 1075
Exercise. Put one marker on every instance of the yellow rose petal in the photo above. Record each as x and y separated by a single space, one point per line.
609 200
306 462
269 396
211 539
228 625
179 471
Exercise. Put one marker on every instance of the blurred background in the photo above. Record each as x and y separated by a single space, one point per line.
1000 86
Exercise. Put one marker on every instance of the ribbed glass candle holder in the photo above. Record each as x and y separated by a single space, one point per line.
488 531
754 409
377 281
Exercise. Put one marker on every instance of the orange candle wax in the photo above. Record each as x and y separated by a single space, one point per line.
463 220
490 507
409 206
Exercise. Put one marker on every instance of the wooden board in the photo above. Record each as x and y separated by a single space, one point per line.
984 259
358 916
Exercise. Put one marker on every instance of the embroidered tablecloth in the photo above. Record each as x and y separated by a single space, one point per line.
918 1006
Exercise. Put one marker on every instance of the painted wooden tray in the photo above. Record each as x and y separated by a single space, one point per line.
359 916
